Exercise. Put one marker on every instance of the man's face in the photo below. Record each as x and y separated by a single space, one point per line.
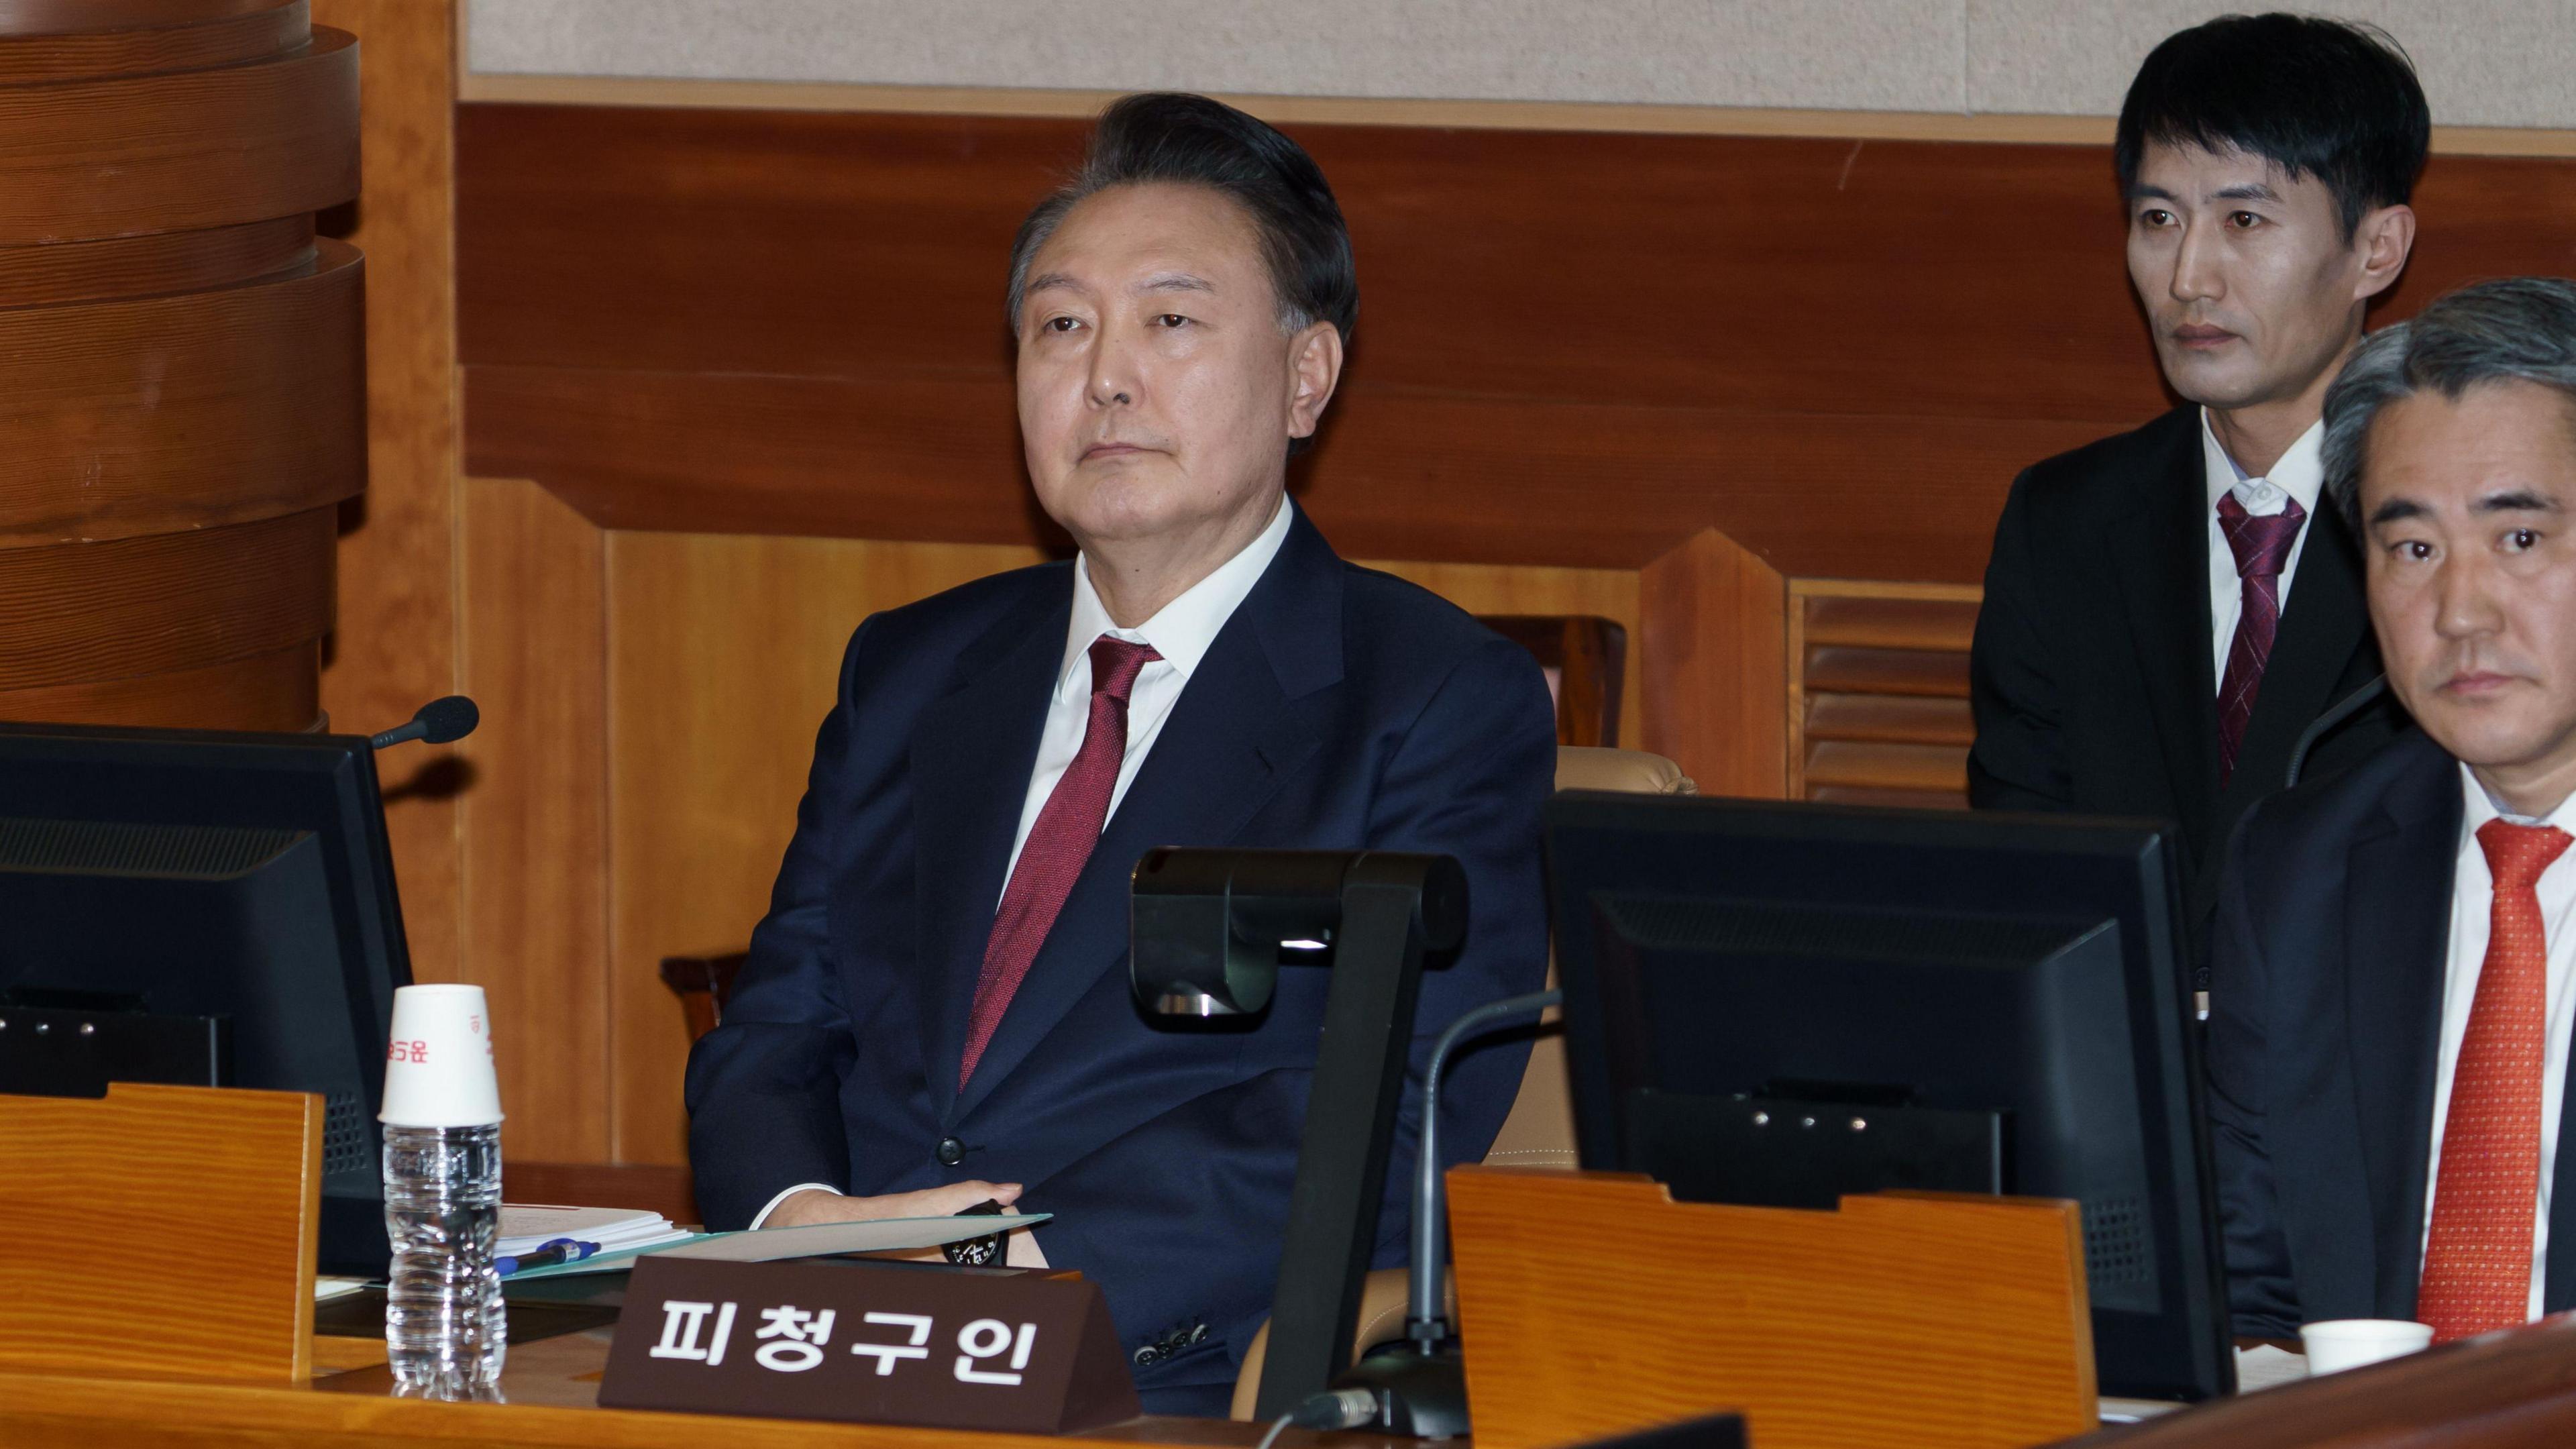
2473 570
1157 390
2250 286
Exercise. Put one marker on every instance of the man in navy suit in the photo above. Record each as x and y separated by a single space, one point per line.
936 1010
2393 987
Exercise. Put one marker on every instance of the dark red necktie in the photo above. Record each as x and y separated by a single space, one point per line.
2262 546
1067 828
2486 1193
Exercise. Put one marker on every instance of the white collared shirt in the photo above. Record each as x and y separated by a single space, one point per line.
2472 911
2300 474
1182 632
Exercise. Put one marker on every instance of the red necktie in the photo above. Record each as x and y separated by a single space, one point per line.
2262 547
2486 1194
1068 826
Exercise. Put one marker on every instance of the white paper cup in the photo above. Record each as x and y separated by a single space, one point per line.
2349 1343
438 1067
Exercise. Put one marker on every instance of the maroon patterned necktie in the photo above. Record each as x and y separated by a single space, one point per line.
1067 828
2262 546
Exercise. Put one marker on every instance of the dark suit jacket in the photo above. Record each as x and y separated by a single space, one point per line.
2325 1019
1338 708
2091 675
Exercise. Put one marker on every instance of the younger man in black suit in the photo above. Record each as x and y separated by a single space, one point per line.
2391 993
2140 651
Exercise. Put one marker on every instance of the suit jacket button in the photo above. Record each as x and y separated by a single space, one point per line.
951 1152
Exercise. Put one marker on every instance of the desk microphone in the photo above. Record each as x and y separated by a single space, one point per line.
1419 1386
438 722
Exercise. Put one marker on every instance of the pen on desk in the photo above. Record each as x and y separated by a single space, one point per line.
561 1250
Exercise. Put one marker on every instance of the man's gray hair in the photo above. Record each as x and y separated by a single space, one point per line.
2519 329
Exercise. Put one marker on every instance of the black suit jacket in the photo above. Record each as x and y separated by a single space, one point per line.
2325 1020
2090 675
1337 709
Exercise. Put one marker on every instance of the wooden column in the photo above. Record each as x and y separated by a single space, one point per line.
396 642
1714 617
180 358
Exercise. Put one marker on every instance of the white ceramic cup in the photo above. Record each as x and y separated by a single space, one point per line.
438 1068
2349 1343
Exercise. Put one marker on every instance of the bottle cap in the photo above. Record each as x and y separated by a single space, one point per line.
438 1068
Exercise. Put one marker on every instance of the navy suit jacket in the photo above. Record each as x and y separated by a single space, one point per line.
2325 1020
1338 708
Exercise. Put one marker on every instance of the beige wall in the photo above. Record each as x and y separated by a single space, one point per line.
2485 62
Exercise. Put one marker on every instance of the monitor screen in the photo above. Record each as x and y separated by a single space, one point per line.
236 878
1779 1003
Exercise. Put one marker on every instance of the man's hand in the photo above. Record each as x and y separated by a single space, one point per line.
815 1206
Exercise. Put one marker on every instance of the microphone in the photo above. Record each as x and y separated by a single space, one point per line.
438 722
2351 704
1419 1387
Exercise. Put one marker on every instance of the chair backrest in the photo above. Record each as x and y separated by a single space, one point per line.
1539 1132
702 983
1586 659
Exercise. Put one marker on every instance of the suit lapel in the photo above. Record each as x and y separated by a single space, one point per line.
1232 739
2160 551
971 757
2397 917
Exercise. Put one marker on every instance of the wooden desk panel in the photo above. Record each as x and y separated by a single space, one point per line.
552 1387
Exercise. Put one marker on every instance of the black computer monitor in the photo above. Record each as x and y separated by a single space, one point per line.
1777 1003
155 881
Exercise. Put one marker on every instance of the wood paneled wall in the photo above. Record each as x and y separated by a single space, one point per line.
753 368
1573 349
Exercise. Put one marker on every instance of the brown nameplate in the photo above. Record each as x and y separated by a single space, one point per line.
868 1344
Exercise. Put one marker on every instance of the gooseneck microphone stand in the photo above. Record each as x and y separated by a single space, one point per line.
1420 1385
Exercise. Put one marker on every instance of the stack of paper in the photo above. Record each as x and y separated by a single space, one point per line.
877 1235
526 1227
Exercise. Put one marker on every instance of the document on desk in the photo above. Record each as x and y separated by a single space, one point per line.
882 1235
526 1227
2258 1368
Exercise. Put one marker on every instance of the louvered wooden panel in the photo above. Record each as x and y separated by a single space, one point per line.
1877 622
1893 718
1898 799
1887 766
1886 671
1879 698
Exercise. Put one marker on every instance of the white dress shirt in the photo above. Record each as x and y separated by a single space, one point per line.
2472 907
2300 474
1182 632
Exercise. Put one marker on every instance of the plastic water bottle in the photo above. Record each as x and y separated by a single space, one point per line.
445 1335
444 1332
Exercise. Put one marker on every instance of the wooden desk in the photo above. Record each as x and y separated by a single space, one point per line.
552 1387
2520 1390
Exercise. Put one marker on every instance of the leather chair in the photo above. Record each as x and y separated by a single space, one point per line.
1539 1130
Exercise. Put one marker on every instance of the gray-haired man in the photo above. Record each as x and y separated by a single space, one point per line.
2390 1000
